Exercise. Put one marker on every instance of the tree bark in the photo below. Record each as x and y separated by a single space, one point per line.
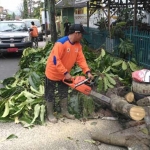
147 118
51 9
144 101
123 90
126 141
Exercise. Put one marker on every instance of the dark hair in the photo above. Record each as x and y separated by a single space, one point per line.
32 23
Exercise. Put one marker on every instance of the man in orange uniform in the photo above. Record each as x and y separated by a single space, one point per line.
34 33
66 52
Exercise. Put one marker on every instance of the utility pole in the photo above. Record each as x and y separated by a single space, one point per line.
135 13
88 15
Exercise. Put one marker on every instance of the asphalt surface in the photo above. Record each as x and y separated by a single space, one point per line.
65 135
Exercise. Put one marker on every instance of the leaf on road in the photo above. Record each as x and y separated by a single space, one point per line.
12 136
93 123
90 141
70 138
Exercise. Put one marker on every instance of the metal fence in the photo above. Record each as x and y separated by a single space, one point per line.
141 40
95 37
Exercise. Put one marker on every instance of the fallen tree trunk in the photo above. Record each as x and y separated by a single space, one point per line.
122 91
144 101
147 118
126 141
119 104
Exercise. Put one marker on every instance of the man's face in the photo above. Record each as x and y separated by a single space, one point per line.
78 36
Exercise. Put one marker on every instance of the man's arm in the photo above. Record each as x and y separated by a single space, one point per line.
81 61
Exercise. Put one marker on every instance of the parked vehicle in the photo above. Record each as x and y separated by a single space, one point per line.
14 36
37 23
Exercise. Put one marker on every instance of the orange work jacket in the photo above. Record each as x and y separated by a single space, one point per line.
34 33
63 57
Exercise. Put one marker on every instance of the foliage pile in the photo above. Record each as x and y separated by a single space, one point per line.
22 98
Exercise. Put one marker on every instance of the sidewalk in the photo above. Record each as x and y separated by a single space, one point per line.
65 135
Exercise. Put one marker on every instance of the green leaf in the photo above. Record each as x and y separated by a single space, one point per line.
94 123
103 52
8 81
145 131
110 79
12 136
4 120
100 86
108 69
133 66
34 80
117 63
124 65
31 82
42 113
6 112
28 94
70 138
25 120
90 141
36 112
105 84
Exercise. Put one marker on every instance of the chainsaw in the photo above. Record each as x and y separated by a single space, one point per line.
80 83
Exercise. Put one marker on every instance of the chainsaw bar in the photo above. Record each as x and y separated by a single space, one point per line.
100 96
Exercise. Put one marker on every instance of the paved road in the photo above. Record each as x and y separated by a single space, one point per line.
9 64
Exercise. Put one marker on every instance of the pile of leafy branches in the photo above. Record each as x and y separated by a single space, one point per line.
22 98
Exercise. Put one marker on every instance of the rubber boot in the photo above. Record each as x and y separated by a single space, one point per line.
50 112
64 109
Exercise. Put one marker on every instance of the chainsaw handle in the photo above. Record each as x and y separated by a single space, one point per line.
68 81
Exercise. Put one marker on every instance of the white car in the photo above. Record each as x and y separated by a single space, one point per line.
14 36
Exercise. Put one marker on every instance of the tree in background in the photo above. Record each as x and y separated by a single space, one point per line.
8 16
36 9
21 9
25 9
51 9
13 16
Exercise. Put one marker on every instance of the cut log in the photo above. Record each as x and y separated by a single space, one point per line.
119 104
129 97
123 90
144 101
147 118
126 141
